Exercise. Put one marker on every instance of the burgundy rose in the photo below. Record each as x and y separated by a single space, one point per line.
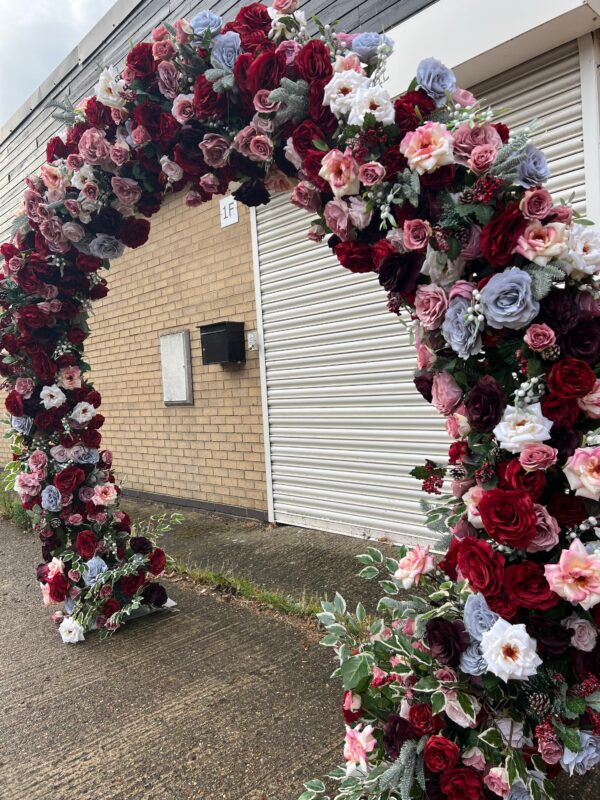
499 237
571 377
527 586
153 594
447 640
157 561
485 404
561 411
91 437
421 719
440 754
355 256
140 60
405 108
462 783
85 544
207 102
67 480
129 584
424 384
508 517
396 731
551 637
565 440
305 135
400 272
14 403
569 510
110 607
313 62
559 311
252 193
141 545
583 341
478 563
134 232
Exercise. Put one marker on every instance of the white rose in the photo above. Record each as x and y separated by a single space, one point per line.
82 176
83 413
584 634
521 426
52 397
71 631
371 100
109 87
583 257
172 170
510 651
341 90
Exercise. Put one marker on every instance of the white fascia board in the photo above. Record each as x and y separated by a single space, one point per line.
477 44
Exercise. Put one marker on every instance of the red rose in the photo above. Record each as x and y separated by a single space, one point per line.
148 115
499 237
55 149
256 42
421 719
318 112
91 437
478 563
254 16
14 403
207 103
405 109
381 250
99 290
240 76
560 410
503 605
355 256
266 72
168 127
134 232
140 60
440 754
111 607
313 62
130 584
76 336
508 516
43 366
85 544
67 480
31 317
571 377
502 129
59 586
96 113
527 586
157 561
305 135
449 562
394 163
27 279
513 476
462 783
312 166
85 263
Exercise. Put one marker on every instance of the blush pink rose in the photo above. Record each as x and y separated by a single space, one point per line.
51 176
430 305
576 577
428 148
183 108
416 233
337 217
285 6
562 214
371 173
482 158
163 50
413 566
127 190
547 534
172 170
119 153
582 470
461 289
540 243
446 394
466 139
539 337
140 136
74 162
497 781
306 196
584 636
73 231
537 456
183 31
93 147
277 181
464 98
536 204
590 404
340 170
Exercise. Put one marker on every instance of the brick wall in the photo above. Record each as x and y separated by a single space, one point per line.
190 272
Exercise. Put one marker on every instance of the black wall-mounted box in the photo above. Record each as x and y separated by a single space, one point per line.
223 343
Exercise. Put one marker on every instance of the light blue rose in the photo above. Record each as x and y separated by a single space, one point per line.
366 45
472 661
225 51
69 605
93 569
478 616
21 424
206 20
436 80
88 455
508 301
105 246
462 336
533 169
586 759
519 792
51 499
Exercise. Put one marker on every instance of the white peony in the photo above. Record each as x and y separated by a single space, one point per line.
583 257
71 631
521 426
83 413
109 88
52 397
371 100
341 91
510 651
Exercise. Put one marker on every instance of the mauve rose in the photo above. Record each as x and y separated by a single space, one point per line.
337 217
536 204
168 79
183 109
537 456
73 231
51 230
210 183
562 214
462 289
416 233
262 104
24 386
467 138
306 196
430 305
93 147
446 640
446 394
482 158
539 336
74 162
588 306
214 149
243 138
547 531
316 233
172 170
550 750
584 635
260 148
371 173
127 190
464 98
90 191
163 50
140 136
119 153
472 249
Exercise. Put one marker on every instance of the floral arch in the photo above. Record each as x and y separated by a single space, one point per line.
491 684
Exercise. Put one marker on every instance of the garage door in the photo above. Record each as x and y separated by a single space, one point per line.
345 423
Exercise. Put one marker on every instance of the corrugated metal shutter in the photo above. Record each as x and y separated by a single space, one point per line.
346 424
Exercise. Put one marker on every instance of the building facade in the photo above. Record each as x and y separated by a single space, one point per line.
321 424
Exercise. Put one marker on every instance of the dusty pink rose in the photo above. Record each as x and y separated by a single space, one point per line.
576 577
337 217
547 531
550 750
172 170
140 136
316 233
446 393
464 98
74 162
277 181
285 6
482 158
562 214
358 744
163 50
51 176
497 781
539 336
69 378
127 190
73 207
466 139
425 357
472 249
183 31
290 50
416 233
359 216
215 149
590 404
14 265
536 204
262 104
457 424
74 519
413 566
537 456
461 289
371 173
243 138
51 230
27 485
119 115
73 231
38 461
93 147
119 153
210 183
261 148
90 191
428 148
431 303
168 79
24 386
541 243
461 487
183 108
194 199
584 636
340 170
159 33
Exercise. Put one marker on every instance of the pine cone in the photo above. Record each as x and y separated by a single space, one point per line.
551 353
539 705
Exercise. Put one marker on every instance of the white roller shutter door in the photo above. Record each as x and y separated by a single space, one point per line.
345 423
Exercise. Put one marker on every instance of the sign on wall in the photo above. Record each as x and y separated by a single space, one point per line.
176 368
229 211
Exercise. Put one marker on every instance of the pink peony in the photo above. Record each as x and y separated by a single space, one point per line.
27 485
466 139
537 456
340 170
582 470
576 577
539 336
93 147
413 566
446 393
430 305
428 148
416 233
38 461
590 404
358 744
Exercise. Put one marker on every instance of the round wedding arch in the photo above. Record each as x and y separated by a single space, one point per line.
487 683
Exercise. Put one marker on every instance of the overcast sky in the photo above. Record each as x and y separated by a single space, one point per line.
35 36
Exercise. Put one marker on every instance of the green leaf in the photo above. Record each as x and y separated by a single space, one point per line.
368 573
575 707
568 736
354 671
339 604
389 587
593 701
438 702
427 684
375 554
330 640
361 613
315 786
319 144
466 704
364 558
492 737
